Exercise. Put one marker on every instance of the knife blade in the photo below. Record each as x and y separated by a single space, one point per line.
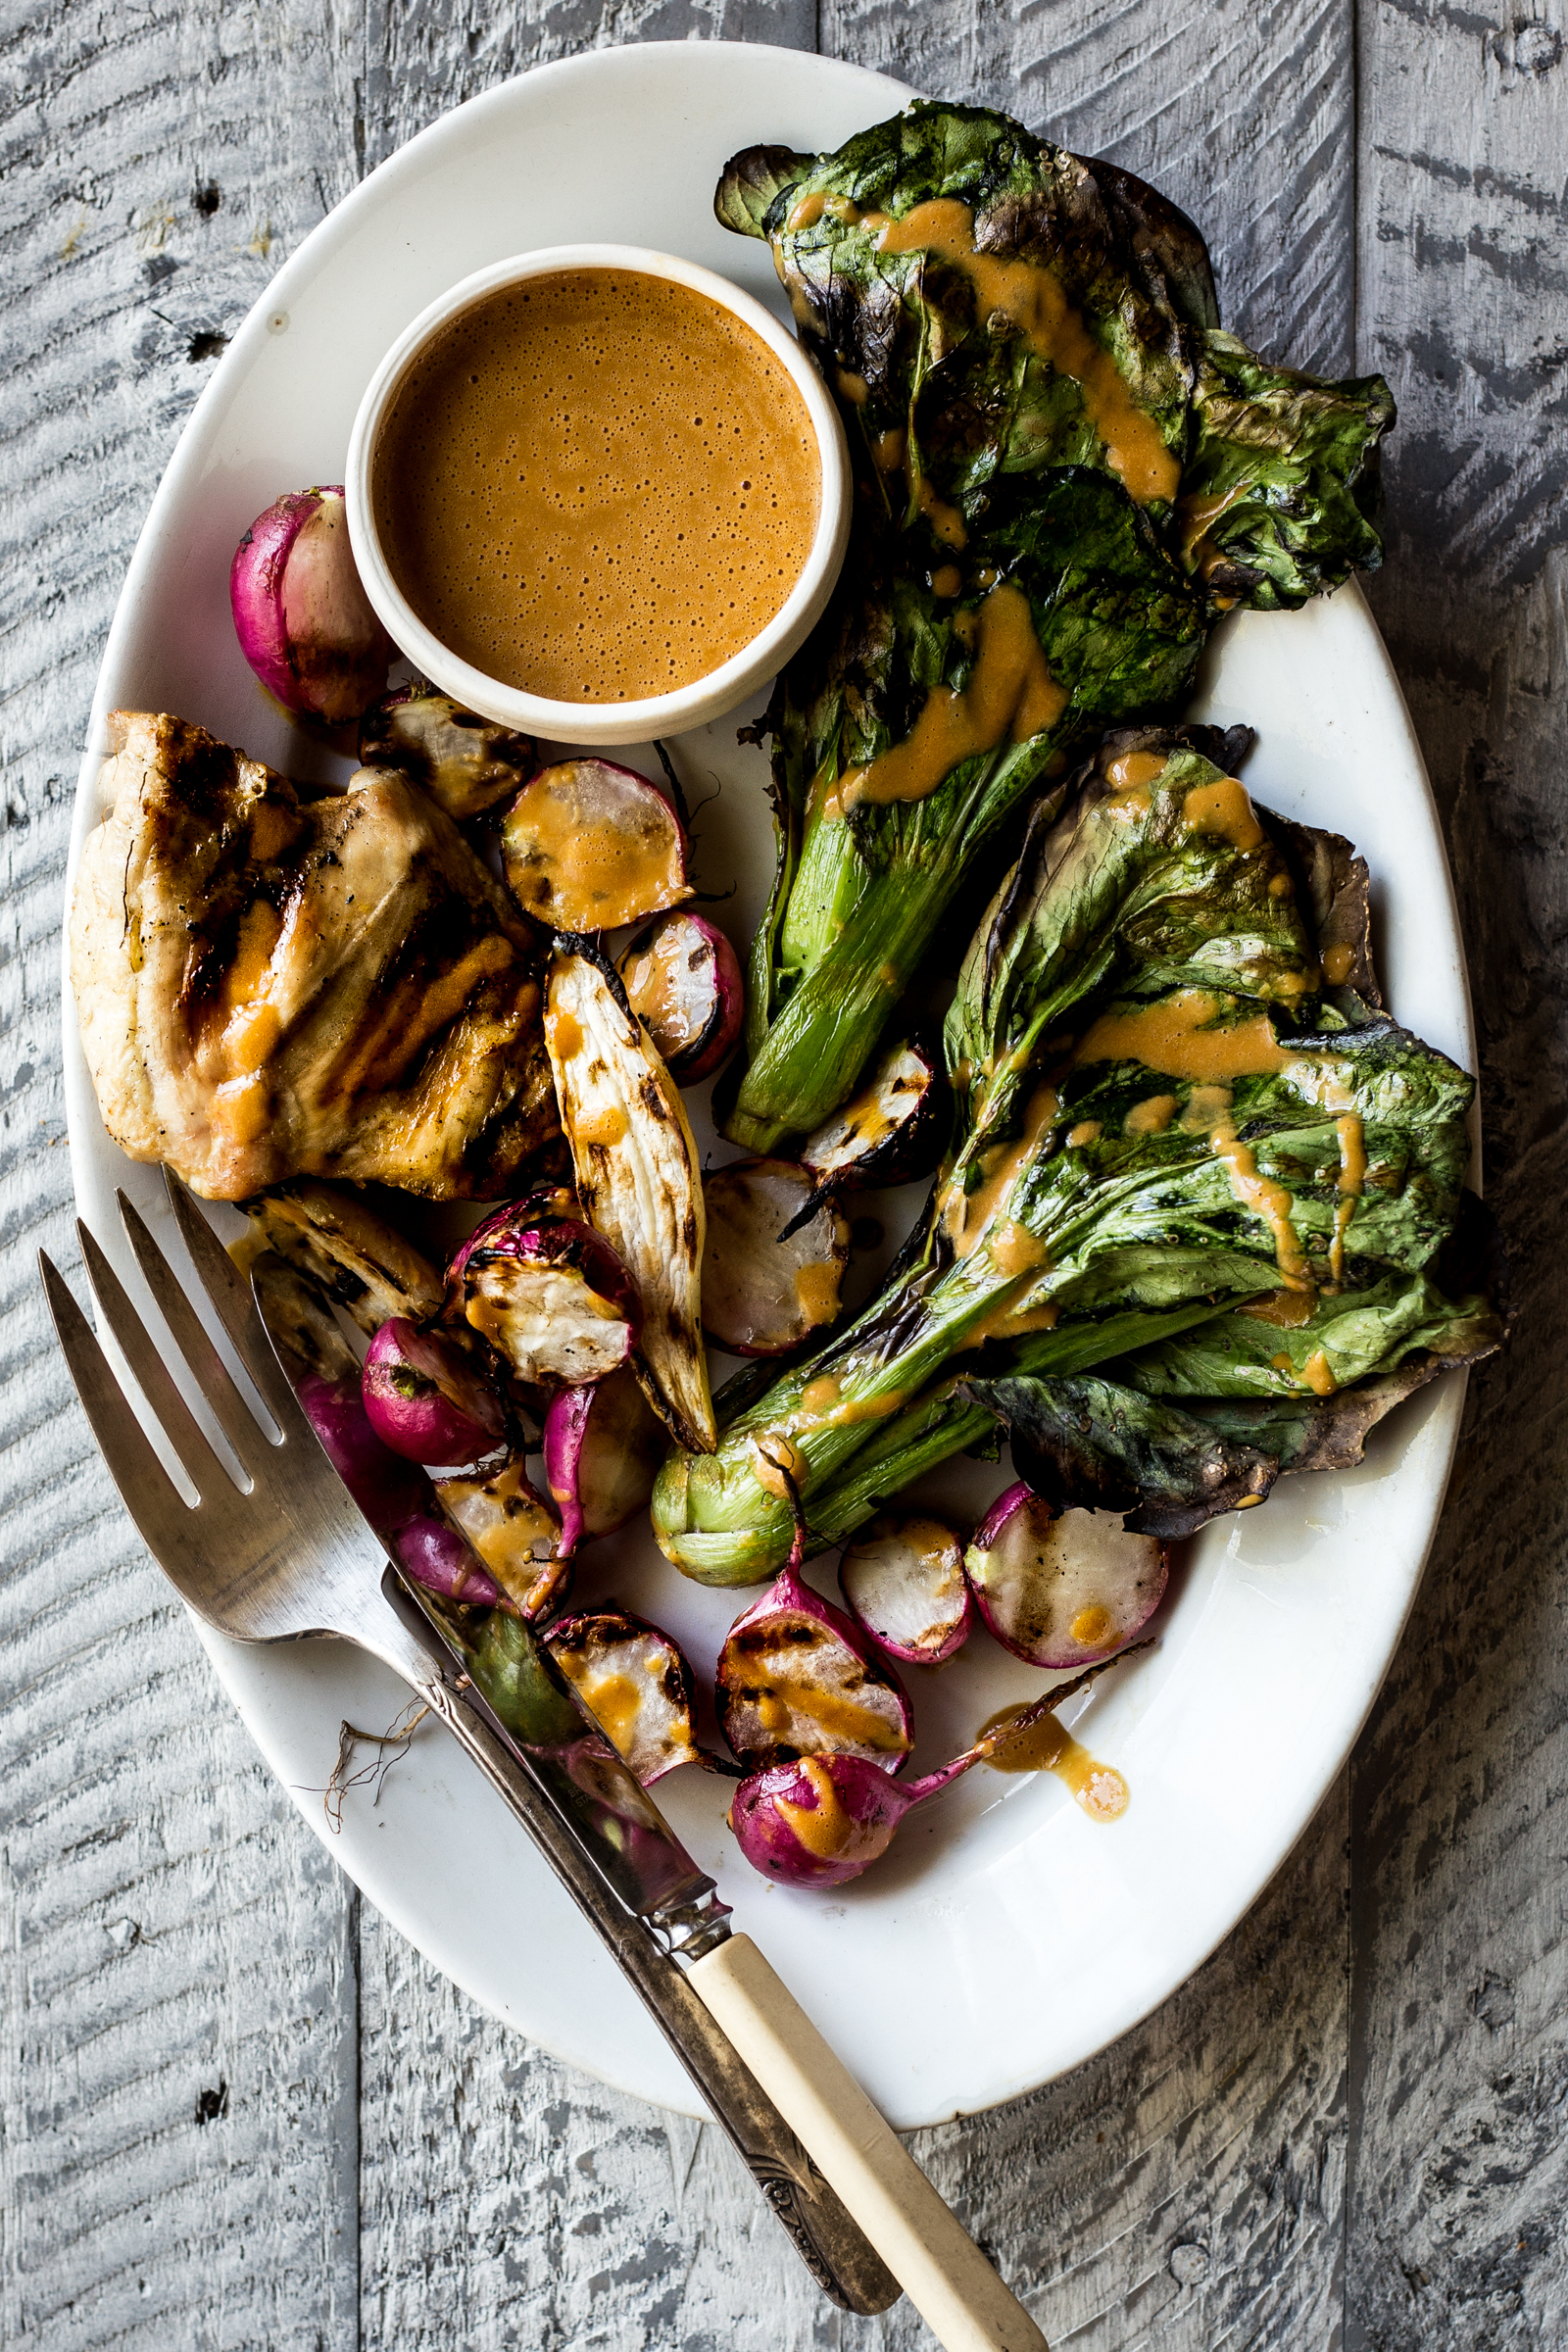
522 1693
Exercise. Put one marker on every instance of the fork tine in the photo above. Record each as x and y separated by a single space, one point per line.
231 1296
145 1487
151 1373
238 1423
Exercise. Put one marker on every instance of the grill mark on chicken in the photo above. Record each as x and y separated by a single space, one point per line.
272 989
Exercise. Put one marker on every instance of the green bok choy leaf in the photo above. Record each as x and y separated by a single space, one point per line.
1063 469
1178 1158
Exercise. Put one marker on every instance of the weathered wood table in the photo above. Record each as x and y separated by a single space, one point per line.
236 2110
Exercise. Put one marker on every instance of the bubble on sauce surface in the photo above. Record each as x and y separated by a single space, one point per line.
640 540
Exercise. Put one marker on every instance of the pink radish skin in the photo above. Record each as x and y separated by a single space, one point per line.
303 619
544 1206
514 1531
387 1488
603 1447
552 1298
424 1401
890 1131
818 1821
903 1578
764 1293
794 1678
436 1556
683 981
635 1684
395 1497
1063 1589
588 845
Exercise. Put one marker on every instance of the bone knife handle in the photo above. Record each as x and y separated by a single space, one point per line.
926 2246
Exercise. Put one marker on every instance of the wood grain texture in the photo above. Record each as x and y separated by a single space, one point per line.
1460 2049
1245 114
178 2153
1185 2188
235 2109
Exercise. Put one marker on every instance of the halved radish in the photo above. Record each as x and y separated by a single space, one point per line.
601 1447
425 1399
514 1531
551 1297
903 1580
794 1678
634 1683
764 1293
588 845
1062 1588
819 1821
890 1131
683 982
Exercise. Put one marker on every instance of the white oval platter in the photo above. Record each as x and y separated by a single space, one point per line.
1008 1936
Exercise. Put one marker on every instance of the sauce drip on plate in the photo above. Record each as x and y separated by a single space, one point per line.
1046 1746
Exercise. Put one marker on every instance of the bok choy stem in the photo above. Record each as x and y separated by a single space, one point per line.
1174 1147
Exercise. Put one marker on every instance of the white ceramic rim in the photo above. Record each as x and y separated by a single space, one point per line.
706 698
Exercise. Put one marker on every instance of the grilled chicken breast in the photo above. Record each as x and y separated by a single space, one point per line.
271 988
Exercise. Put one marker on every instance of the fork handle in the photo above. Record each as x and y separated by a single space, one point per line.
825 2236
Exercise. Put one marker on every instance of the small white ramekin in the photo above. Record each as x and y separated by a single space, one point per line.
706 698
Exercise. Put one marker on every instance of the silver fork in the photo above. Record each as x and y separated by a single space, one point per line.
293 1558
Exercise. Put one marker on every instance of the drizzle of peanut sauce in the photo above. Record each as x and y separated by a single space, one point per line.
1222 809
1286 1309
964 1216
1032 299
1010 694
1175 1036
1135 771
606 1125
582 866
1151 1117
825 1829
1046 1746
823 1406
1352 1177
833 1715
1178 1037
776 1463
816 1289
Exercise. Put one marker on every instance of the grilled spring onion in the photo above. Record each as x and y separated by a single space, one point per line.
638 1177
1166 1127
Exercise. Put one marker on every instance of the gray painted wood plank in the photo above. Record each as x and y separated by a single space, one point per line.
177 2152
421 61
1460 2051
1182 2189
1244 115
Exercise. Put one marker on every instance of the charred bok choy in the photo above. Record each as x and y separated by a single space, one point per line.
1064 472
1185 1160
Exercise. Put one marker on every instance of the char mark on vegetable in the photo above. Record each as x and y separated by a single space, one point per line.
1064 472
